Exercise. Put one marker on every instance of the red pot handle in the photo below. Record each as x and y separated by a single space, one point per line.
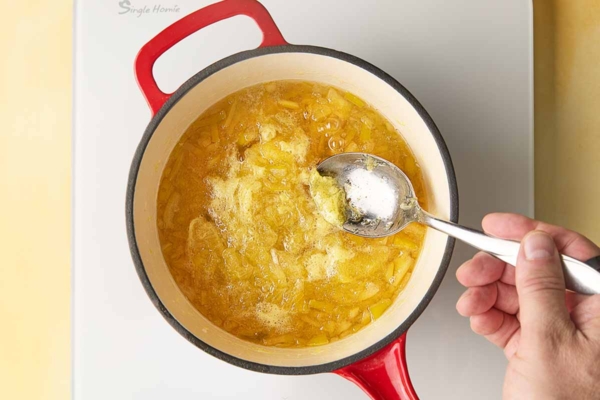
383 375
190 24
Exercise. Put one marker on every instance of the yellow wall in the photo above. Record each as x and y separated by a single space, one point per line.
567 114
35 170
35 159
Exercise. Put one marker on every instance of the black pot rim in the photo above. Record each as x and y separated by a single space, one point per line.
180 93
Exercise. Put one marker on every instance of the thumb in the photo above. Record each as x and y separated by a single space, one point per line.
541 285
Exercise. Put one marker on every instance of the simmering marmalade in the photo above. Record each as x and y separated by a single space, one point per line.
242 235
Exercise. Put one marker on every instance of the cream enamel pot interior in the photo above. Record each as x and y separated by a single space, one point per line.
277 60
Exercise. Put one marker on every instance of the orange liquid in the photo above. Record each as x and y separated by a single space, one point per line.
242 236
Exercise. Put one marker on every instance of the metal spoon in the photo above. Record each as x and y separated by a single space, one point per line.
381 201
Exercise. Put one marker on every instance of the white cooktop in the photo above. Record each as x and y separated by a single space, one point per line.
468 62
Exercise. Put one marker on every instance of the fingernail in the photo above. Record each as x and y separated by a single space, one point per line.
538 246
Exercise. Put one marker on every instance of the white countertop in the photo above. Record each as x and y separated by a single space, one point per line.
468 62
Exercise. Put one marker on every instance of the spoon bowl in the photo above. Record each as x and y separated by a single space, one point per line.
380 197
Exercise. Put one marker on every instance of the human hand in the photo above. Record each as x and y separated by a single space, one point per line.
550 337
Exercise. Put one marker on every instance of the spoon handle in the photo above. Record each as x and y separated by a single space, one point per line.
579 277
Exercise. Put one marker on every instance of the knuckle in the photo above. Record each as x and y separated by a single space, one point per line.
551 335
542 284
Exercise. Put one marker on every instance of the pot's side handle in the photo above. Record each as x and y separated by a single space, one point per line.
383 375
190 24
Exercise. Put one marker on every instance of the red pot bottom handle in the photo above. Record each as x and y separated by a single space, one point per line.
383 375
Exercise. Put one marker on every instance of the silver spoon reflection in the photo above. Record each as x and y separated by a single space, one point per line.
381 201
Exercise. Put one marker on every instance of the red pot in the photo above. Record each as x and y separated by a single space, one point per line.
374 358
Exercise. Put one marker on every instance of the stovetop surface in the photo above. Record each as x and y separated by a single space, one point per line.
468 62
